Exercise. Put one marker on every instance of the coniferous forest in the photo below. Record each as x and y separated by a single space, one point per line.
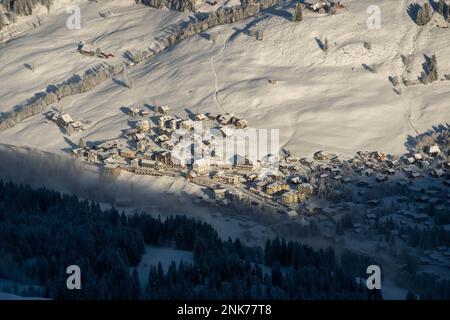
42 232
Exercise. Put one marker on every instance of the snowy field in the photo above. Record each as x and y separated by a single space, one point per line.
320 101
165 256
160 196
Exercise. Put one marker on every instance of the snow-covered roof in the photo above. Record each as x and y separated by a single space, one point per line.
66 118
87 47
434 149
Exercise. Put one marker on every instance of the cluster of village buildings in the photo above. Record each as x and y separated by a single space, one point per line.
415 181
150 147
324 6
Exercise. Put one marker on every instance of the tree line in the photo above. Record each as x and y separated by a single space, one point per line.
94 76
44 231
9 9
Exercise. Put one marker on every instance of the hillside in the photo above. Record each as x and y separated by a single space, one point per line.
321 100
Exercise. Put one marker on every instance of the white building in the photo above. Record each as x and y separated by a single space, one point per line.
187 124
143 125
164 109
64 120
163 120
201 166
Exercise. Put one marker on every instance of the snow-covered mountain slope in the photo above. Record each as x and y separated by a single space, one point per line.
52 46
326 101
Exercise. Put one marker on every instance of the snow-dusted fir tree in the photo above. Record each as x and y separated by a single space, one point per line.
430 74
127 79
259 34
407 62
325 45
443 8
432 70
3 19
447 13
81 144
424 14
298 14
24 7
31 66
136 56
69 130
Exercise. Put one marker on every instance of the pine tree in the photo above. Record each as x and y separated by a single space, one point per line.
160 274
135 285
442 8
431 74
81 144
339 230
322 190
277 275
434 68
298 14
259 35
69 129
3 20
424 14
447 13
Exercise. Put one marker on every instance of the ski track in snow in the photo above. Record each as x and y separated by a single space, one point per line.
101 37
216 78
